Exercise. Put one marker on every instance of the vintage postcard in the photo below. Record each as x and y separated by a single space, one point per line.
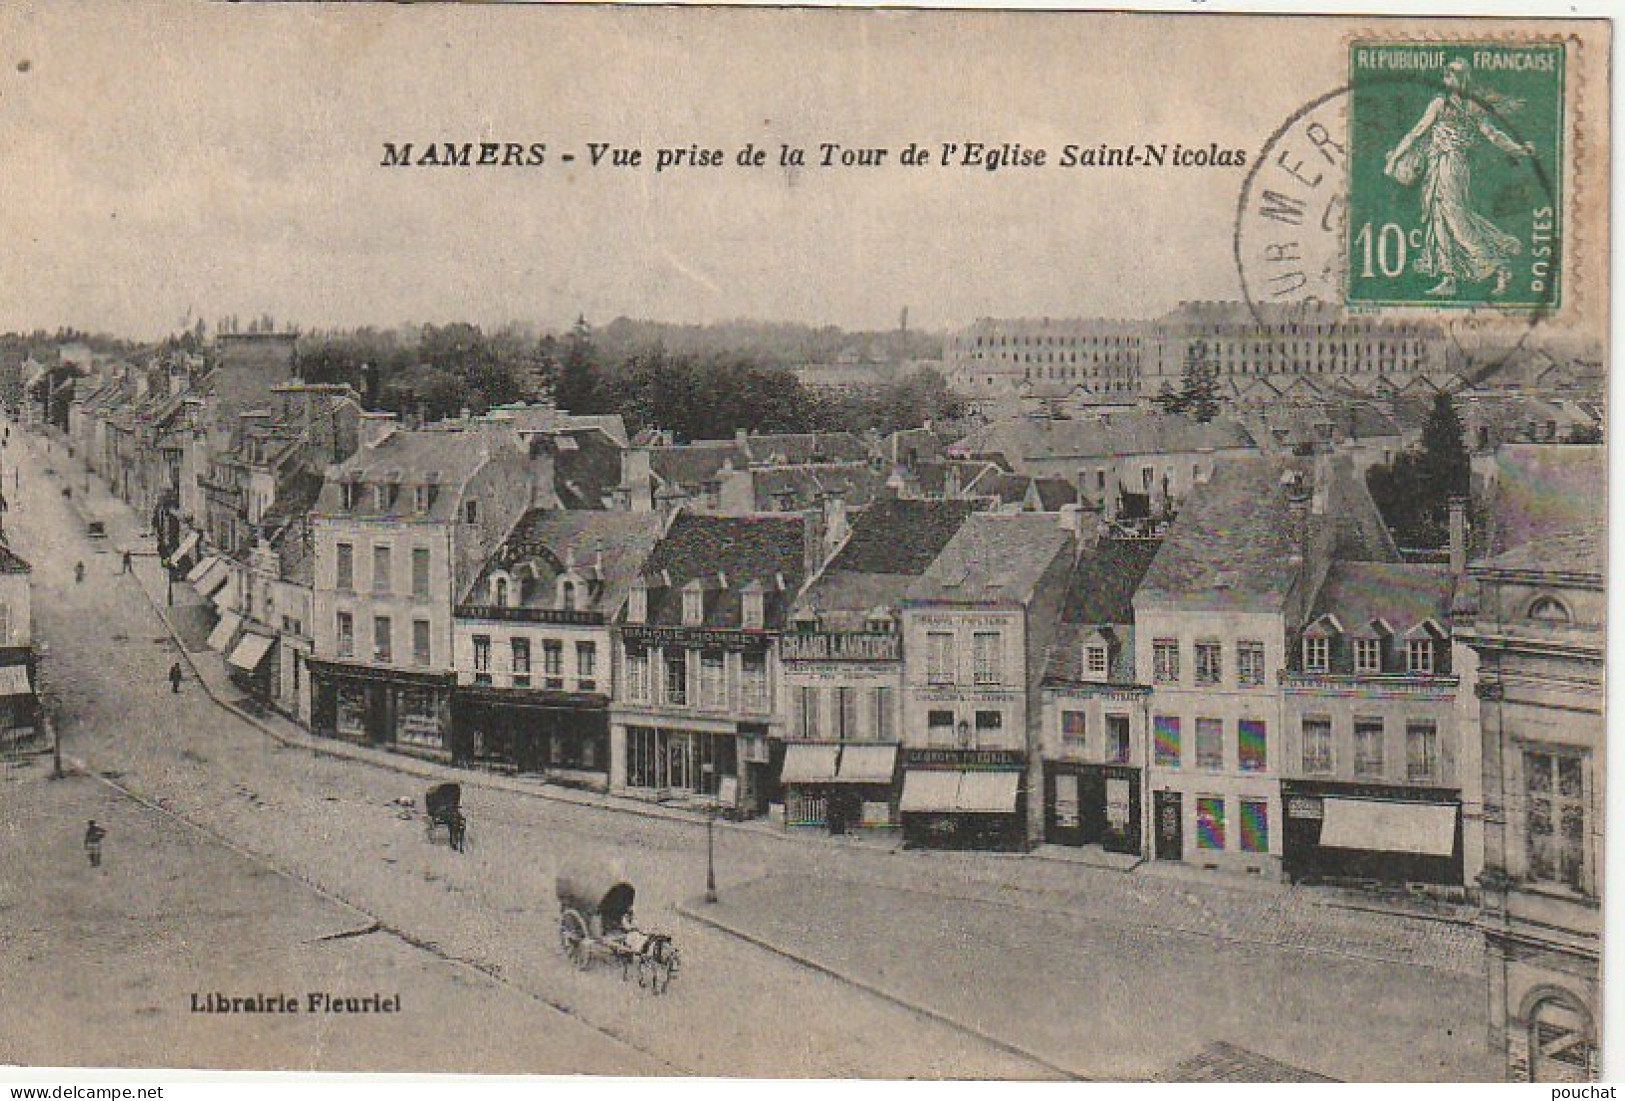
803 543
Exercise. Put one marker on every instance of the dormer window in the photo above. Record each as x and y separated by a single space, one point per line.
422 498
567 594
352 495
1419 656
499 591
1368 655
471 511
693 605
1317 654
755 610
1095 663
380 497
637 604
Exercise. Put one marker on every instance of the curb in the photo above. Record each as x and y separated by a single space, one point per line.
1066 1073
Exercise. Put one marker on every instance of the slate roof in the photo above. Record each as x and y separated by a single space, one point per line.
587 469
796 448
742 549
993 558
1237 543
693 464
444 458
1581 550
900 537
1400 594
1128 432
1537 491
609 549
802 487
1102 586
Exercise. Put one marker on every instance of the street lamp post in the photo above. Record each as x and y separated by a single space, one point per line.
710 857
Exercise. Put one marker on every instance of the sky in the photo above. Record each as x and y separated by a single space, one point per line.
166 162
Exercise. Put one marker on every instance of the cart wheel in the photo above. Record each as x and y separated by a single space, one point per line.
573 939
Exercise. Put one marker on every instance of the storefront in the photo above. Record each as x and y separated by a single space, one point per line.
964 798
410 711
673 762
1090 804
1371 833
839 786
249 664
565 734
19 708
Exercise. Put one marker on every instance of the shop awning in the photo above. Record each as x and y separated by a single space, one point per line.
809 764
220 638
868 764
1427 829
188 545
195 574
14 681
250 651
214 578
988 792
955 792
930 791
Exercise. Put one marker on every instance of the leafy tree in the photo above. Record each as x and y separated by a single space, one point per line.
1414 491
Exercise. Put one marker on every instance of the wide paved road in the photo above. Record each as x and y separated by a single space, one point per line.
737 1010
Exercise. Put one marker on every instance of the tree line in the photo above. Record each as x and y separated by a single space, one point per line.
440 370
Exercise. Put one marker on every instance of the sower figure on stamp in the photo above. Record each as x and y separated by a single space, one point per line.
1459 243
93 843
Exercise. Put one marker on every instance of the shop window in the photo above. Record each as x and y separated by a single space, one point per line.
420 719
1117 739
1317 745
1255 826
1250 663
1210 744
1165 740
1067 812
1209 663
1368 747
1421 751
1252 745
1165 661
1210 822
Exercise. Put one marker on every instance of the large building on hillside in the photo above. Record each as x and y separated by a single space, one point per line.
1112 360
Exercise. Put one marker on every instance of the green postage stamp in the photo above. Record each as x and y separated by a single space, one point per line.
1455 174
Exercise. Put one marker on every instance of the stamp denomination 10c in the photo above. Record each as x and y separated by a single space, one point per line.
1455 161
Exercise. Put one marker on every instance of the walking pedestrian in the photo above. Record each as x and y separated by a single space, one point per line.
175 678
93 843
125 568
78 572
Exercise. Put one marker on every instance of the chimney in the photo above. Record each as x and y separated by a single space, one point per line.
812 541
1458 537
836 527
1323 483
374 428
637 480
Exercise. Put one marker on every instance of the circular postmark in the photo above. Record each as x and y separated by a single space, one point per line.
1435 208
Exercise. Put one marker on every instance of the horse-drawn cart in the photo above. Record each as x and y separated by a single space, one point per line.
443 808
595 922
